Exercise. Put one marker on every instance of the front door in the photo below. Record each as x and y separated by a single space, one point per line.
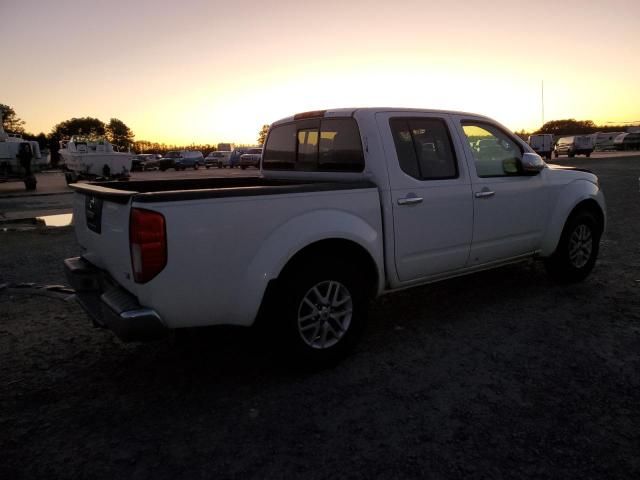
509 204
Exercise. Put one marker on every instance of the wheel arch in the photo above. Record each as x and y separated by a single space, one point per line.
319 232
342 249
574 201
591 206
336 248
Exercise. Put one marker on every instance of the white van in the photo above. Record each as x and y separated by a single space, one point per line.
574 145
542 144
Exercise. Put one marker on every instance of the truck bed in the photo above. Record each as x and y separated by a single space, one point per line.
199 188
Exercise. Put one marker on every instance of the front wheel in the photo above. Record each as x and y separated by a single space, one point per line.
577 250
323 309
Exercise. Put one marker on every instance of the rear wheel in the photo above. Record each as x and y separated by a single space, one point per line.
322 310
577 250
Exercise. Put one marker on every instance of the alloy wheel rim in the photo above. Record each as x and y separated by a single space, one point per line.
324 314
580 246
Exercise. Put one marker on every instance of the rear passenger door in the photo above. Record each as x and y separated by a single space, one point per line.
430 192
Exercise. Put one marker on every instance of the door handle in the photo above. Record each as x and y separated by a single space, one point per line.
485 194
409 200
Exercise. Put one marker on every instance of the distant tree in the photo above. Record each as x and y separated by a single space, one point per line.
119 134
523 134
41 138
262 134
568 126
10 121
76 126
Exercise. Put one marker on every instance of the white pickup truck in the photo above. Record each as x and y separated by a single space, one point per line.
350 204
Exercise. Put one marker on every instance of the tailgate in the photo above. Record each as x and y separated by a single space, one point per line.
101 217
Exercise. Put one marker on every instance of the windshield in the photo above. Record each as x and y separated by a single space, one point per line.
172 155
255 151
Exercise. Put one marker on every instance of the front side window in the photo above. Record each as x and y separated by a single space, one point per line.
332 144
495 153
424 148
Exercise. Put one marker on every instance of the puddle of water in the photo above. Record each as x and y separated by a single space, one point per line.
62 220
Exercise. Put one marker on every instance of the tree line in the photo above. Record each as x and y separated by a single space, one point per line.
571 126
115 131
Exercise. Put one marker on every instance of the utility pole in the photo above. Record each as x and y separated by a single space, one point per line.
542 101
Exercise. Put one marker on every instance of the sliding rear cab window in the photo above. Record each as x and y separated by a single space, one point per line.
322 145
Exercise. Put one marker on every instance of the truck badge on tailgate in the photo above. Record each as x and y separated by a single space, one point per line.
93 211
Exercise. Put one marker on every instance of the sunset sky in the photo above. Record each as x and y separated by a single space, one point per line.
210 71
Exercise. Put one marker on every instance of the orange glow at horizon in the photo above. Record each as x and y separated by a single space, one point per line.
220 81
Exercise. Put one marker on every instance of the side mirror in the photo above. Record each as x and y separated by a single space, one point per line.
532 163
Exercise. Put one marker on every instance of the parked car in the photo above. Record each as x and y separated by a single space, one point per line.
574 145
234 159
251 158
542 144
181 160
220 159
144 161
351 204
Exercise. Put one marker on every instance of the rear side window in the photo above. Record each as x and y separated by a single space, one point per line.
328 145
424 148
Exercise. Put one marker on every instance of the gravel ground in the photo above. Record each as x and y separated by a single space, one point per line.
501 374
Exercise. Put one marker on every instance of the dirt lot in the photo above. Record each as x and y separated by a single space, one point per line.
497 375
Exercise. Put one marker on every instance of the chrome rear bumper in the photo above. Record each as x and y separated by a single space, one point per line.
109 305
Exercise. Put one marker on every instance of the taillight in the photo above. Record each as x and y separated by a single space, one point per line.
148 243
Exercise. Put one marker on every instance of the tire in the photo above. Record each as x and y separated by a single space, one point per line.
571 154
588 154
195 166
30 183
243 167
555 154
577 250
321 311
219 165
